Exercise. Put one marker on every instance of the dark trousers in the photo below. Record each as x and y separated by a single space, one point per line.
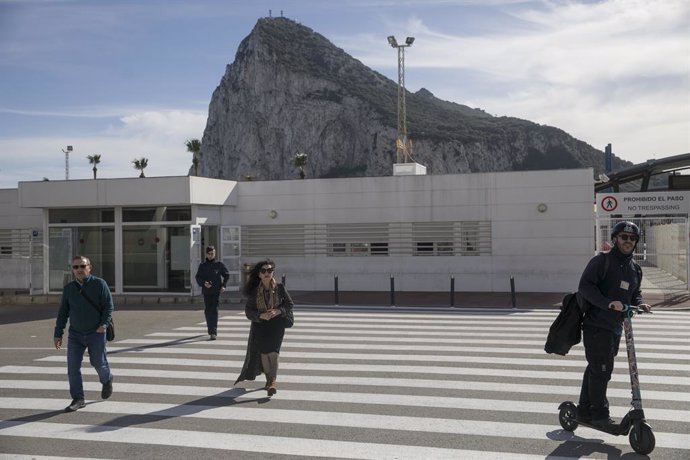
211 312
601 347
77 344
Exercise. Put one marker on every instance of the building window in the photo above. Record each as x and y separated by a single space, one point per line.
157 214
358 239
81 216
379 249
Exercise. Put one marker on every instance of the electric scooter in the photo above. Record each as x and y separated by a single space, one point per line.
641 436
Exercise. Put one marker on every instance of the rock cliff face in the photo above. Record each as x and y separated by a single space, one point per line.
290 90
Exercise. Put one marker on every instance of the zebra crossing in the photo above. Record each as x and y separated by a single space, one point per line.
358 383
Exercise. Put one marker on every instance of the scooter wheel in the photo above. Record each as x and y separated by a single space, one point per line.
568 416
642 438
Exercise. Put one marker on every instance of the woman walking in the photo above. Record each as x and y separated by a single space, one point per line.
269 308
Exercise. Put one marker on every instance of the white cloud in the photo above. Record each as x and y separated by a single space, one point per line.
156 135
612 71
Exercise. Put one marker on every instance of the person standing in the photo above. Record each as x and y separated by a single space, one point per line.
212 276
87 303
606 286
269 308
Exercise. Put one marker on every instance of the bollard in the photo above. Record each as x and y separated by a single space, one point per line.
392 291
452 291
282 279
512 291
335 289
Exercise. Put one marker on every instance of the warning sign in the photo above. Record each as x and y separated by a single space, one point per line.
670 202
609 203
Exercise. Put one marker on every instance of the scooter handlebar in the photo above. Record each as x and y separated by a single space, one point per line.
632 310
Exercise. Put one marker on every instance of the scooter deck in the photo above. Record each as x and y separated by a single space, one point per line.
616 430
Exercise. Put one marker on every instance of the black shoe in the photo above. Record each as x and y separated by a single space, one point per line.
212 337
107 389
77 403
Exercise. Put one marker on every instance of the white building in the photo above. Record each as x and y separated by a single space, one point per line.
146 235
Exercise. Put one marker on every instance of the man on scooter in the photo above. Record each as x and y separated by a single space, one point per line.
606 286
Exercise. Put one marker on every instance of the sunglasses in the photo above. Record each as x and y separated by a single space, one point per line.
625 237
266 270
74 267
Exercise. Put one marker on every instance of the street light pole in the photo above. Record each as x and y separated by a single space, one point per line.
402 144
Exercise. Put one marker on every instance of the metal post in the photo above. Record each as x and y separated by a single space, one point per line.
392 291
335 289
512 291
452 291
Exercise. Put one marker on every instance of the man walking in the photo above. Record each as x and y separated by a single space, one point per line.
89 306
212 276
607 285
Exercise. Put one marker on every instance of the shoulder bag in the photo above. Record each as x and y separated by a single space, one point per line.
110 330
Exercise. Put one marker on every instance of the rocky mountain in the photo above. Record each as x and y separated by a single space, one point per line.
292 91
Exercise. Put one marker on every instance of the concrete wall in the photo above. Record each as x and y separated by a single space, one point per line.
152 191
544 251
14 269
12 216
670 241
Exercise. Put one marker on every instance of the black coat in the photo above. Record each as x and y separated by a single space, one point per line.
252 360
566 330
602 282
214 271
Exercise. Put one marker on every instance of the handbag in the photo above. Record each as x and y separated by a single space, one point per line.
110 330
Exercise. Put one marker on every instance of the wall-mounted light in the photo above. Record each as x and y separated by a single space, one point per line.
541 207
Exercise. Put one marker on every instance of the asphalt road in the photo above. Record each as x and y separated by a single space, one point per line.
354 383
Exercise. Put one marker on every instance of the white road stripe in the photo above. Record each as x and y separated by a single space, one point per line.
291 342
512 374
406 337
466 325
388 399
284 364
463 385
303 447
496 314
545 360
322 419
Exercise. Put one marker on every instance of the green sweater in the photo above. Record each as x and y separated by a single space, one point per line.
83 317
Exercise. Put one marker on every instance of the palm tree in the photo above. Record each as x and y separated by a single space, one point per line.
194 146
94 160
300 161
141 164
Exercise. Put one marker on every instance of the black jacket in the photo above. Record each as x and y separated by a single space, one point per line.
566 330
214 271
602 283
252 360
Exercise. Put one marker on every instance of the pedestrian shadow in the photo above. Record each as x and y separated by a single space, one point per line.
574 446
169 343
227 398
37 417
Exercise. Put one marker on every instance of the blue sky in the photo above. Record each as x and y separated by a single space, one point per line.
133 78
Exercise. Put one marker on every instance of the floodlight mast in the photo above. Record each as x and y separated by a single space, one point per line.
403 148
69 149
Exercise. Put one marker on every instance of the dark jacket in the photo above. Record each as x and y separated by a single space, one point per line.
252 360
83 317
214 271
566 330
602 283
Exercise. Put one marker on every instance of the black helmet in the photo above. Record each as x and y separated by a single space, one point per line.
627 227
